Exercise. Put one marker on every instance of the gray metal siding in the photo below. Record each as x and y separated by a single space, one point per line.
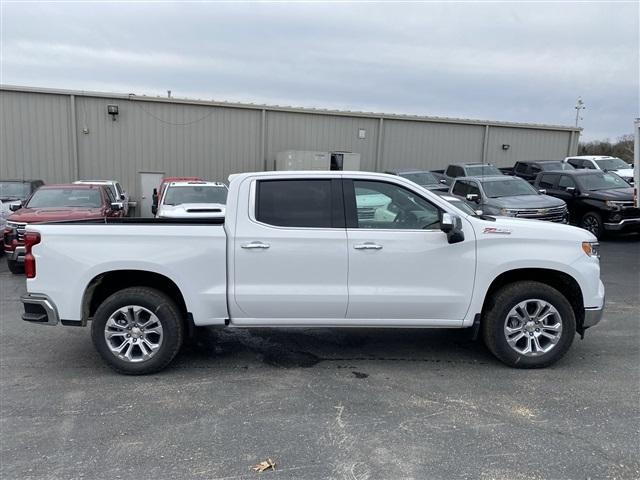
35 136
179 140
428 146
526 144
296 131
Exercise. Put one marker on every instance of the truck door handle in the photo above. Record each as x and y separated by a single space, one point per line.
367 246
254 245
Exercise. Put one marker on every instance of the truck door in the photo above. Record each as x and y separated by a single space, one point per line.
400 263
290 252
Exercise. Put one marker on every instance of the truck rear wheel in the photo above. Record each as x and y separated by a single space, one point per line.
137 330
15 267
529 325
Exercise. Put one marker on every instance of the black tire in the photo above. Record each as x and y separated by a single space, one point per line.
15 267
592 222
505 299
168 315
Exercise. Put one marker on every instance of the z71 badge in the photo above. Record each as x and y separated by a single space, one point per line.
501 231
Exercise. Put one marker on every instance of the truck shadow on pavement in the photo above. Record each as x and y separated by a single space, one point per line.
305 348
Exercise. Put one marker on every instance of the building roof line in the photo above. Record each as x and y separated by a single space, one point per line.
287 109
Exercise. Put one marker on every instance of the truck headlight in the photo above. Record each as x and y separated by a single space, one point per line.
507 213
592 249
613 204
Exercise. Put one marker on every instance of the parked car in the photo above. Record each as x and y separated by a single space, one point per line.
509 196
292 251
55 203
192 199
529 169
598 201
158 192
604 163
14 192
119 194
456 170
422 178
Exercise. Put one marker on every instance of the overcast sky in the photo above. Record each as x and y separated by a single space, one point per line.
499 61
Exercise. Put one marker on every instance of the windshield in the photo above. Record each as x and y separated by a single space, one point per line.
461 205
421 178
67 197
612 164
556 166
508 188
601 181
482 170
195 194
14 190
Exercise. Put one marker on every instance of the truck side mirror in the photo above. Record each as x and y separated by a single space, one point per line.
14 207
116 207
542 191
571 190
443 181
122 197
452 226
473 197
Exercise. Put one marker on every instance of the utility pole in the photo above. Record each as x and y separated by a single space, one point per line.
579 106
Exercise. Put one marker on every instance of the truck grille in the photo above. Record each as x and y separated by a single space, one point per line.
19 229
366 213
553 214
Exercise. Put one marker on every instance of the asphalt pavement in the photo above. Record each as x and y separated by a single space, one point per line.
325 404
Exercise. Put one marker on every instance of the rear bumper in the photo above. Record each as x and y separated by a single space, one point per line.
39 308
625 224
17 254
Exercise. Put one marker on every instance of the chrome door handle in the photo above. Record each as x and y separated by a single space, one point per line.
255 245
367 246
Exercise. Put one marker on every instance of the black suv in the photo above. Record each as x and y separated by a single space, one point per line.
598 201
530 169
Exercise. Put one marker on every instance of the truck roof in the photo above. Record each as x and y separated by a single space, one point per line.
200 183
592 157
95 182
83 186
489 178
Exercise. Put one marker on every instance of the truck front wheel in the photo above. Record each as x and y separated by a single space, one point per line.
137 330
528 325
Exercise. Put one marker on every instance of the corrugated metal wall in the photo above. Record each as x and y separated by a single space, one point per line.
180 138
298 131
429 146
35 136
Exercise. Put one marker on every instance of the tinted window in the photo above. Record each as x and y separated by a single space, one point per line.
388 206
520 168
483 171
602 181
14 190
511 187
68 197
294 203
460 188
421 178
535 170
566 182
612 164
547 166
474 189
547 181
575 162
110 195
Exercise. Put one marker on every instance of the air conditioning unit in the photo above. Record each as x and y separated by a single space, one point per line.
303 160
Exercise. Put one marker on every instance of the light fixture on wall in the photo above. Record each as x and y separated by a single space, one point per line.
362 133
113 111
506 146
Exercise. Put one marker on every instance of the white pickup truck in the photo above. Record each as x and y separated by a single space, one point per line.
295 250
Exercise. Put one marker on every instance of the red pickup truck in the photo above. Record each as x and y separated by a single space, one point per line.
54 203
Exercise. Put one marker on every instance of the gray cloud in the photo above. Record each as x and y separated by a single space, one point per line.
515 62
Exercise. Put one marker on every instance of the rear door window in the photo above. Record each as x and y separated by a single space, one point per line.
566 182
460 188
296 203
547 181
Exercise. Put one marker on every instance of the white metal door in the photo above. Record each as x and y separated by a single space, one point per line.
290 274
148 181
403 269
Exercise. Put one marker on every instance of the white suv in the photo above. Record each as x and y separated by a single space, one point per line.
605 163
195 199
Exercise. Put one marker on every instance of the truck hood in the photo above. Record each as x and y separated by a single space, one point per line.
613 194
526 201
52 214
510 227
193 210
623 172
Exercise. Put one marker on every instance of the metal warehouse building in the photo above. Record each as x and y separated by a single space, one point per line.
62 135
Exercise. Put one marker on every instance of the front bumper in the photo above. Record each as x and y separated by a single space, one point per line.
39 308
592 316
624 224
